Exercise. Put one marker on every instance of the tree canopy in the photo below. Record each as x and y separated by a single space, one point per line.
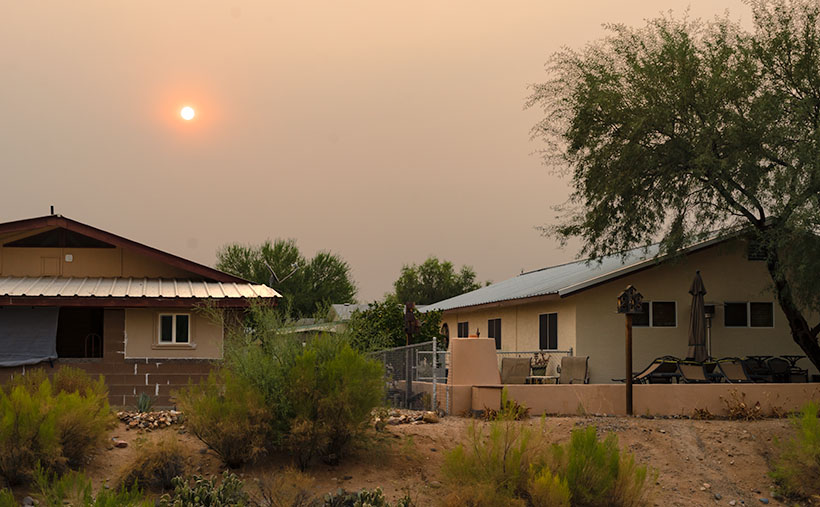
433 281
381 326
306 285
683 127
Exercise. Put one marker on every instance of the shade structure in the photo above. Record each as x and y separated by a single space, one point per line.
697 321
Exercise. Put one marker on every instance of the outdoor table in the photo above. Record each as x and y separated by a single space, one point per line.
541 379
760 359
792 359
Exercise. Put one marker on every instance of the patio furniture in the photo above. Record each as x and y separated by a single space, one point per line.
757 369
692 372
792 359
515 370
783 370
574 370
733 370
541 379
662 370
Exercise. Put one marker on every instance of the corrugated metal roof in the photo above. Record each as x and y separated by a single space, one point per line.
561 280
345 310
52 286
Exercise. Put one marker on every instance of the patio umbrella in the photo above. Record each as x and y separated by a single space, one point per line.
697 321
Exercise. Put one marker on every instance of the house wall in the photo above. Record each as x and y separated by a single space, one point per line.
107 262
519 323
728 277
142 336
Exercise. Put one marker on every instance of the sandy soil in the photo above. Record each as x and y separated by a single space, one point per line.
695 460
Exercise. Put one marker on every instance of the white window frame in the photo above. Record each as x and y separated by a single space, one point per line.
651 314
748 314
173 329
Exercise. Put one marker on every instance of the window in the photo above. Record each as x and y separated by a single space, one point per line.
463 329
174 328
494 331
548 331
656 314
751 314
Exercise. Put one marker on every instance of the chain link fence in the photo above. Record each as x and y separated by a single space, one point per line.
416 376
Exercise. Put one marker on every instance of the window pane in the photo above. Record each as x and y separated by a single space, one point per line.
182 328
166 327
553 331
641 319
463 329
543 332
761 314
734 315
663 314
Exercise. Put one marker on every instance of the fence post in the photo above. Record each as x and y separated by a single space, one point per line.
435 360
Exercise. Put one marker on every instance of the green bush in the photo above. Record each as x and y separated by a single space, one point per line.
202 492
7 498
547 489
83 421
797 469
363 498
155 465
28 432
228 415
69 380
74 488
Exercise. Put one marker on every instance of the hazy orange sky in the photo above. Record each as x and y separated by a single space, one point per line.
382 131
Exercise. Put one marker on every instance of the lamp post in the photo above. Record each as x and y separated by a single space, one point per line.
629 303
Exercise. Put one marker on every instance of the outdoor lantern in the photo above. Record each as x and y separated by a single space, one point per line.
629 301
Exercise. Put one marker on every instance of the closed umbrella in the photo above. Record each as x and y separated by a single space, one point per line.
697 321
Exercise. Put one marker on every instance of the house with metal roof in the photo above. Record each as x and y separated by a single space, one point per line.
572 307
74 294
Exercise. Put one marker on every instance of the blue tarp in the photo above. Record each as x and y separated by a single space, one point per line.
27 335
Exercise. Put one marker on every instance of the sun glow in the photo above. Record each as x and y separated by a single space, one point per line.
187 113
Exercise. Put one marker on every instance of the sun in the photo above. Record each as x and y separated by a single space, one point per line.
187 113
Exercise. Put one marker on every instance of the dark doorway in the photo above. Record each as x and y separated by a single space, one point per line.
80 332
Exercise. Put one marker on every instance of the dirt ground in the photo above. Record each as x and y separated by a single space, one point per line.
706 462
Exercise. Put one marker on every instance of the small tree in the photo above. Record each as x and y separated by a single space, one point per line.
381 326
433 281
681 128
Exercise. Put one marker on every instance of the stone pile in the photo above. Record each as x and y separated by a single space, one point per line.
150 420
396 417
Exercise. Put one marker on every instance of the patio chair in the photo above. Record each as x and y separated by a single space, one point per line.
733 370
574 370
783 371
757 369
662 370
515 370
692 372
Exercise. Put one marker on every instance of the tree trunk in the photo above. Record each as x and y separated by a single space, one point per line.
801 331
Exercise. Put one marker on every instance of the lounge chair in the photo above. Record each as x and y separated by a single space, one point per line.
733 370
515 370
662 370
574 370
692 372
782 371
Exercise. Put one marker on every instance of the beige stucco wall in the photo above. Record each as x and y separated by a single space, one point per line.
728 277
142 336
108 262
519 323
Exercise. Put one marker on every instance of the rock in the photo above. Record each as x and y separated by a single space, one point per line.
121 444
28 501
706 485
764 500
204 450
429 417
717 496
662 431
435 484
347 477
732 502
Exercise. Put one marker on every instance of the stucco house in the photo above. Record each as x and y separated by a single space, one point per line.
74 294
572 306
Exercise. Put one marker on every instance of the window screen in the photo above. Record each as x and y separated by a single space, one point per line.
664 314
182 328
734 315
761 314
166 328
548 331
641 319
494 331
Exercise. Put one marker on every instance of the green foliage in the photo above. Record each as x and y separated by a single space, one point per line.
200 492
7 498
679 128
322 280
28 432
68 379
155 464
362 498
228 414
433 281
333 389
83 421
797 469
381 326
510 410
144 402
74 488
548 489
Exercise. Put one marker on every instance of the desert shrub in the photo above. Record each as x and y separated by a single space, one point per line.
596 471
509 410
30 381
74 488
7 498
740 409
228 415
797 469
289 488
28 432
82 421
144 403
333 391
206 492
155 464
363 498
480 495
69 380
547 489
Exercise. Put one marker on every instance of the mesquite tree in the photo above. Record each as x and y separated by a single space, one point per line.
681 128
